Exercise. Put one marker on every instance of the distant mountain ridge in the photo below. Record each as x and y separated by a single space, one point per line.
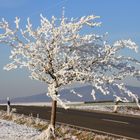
85 91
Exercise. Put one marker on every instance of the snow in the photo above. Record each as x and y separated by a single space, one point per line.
128 109
42 103
12 131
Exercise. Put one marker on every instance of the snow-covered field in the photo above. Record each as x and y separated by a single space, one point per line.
42 103
129 109
123 108
12 131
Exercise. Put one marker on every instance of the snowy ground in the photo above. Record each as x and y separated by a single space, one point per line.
42 103
12 131
124 108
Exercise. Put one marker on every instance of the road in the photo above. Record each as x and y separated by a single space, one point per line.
108 122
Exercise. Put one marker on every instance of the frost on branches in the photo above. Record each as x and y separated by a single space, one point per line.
59 54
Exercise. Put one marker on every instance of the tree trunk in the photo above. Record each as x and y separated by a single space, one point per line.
53 113
50 131
116 107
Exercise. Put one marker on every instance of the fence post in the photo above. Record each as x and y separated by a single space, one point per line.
8 106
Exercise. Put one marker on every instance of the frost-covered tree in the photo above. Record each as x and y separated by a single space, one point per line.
59 53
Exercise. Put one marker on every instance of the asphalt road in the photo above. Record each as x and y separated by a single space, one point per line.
102 121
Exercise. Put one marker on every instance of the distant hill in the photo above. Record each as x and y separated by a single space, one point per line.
85 91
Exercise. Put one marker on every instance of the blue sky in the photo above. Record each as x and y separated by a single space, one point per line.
120 18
